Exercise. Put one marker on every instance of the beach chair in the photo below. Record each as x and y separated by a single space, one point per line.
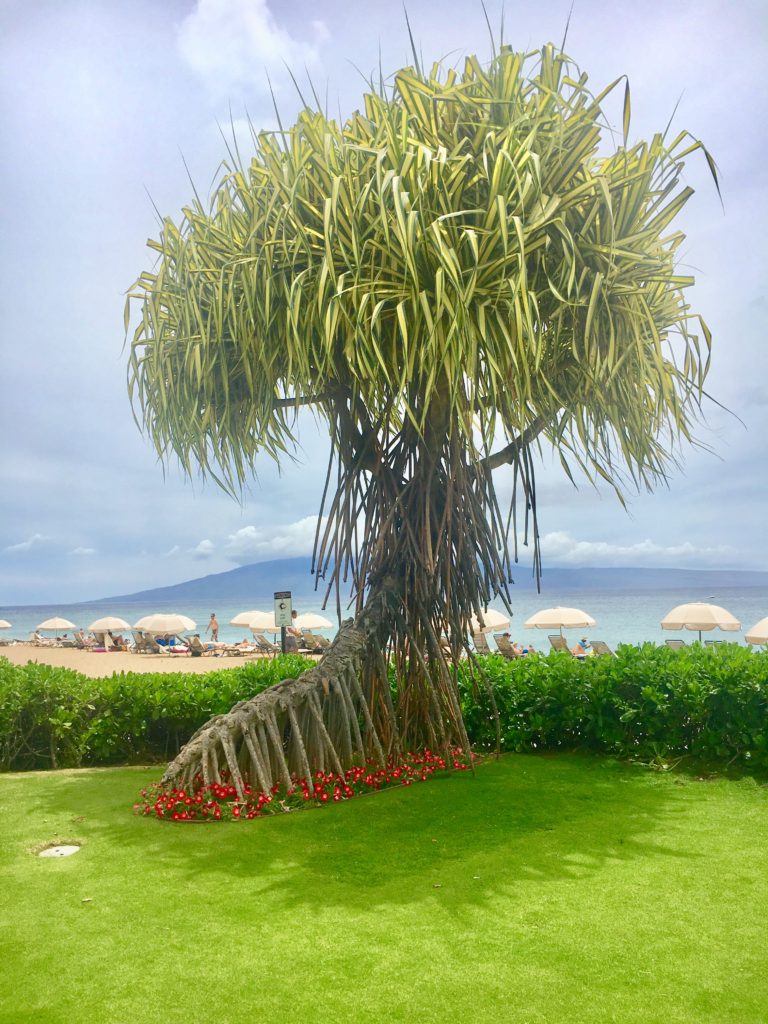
153 647
675 644
141 642
266 646
714 643
147 644
103 643
558 642
480 640
601 647
321 643
506 650
311 642
198 649
228 651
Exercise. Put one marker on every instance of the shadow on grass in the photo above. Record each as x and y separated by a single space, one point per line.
523 819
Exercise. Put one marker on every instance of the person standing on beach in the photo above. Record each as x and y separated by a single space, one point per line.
213 627
293 635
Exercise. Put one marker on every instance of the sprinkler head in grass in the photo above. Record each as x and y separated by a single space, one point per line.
65 850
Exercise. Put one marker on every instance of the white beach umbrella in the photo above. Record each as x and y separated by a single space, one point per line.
310 620
4 624
56 623
560 618
244 618
164 622
491 620
109 622
759 633
700 617
263 622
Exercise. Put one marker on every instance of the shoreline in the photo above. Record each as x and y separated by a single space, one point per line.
98 665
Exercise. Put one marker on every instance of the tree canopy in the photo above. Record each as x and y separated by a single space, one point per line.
465 237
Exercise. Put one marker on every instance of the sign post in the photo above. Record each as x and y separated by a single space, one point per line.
283 613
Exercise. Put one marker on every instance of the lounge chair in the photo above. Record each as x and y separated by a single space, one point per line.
103 643
153 647
558 642
231 650
675 644
505 647
714 643
198 649
142 644
311 642
266 646
480 640
321 643
601 647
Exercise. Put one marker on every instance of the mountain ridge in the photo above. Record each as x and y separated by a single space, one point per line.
258 581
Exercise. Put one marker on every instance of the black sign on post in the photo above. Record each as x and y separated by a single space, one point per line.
283 613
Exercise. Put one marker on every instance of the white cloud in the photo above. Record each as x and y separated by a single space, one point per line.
253 543
204 549
83 551
231 44
562 549
27 545
171 551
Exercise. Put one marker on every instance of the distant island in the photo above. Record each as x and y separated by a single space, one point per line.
257 582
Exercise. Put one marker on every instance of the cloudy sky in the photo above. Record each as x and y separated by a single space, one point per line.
101 103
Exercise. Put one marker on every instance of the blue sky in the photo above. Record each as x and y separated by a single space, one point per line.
98 103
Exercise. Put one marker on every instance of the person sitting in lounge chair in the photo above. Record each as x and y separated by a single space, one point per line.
583 649
118 642
517 650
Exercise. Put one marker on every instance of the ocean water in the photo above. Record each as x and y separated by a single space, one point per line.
622 616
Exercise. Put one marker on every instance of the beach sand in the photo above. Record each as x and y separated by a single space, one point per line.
96 665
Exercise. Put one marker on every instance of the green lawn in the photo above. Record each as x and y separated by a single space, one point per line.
546 889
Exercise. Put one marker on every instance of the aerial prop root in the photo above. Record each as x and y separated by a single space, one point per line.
319 721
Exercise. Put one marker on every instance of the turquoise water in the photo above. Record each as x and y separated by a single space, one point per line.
622 616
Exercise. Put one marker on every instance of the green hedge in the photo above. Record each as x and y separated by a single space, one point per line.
711 703
55 717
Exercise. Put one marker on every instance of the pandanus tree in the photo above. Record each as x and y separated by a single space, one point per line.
461 274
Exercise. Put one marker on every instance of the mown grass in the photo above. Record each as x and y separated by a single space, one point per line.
548 889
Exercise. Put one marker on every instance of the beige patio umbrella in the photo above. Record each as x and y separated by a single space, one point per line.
4 624
759 633
491 620
263 621
311 620
560 618
108 623
700 617
164 622
244 618
56 623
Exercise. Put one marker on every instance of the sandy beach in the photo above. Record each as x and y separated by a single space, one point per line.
95 665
